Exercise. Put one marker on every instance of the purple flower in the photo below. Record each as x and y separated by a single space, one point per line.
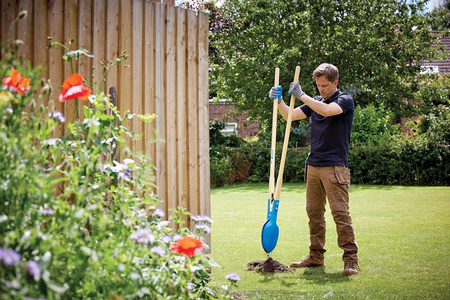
143 236
201 219
176 237
167 239
158 251
203 228
47 212
233 277
58 116
123 171
33 269
159 213
9 257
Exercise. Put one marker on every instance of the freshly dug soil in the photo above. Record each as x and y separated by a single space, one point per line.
267 266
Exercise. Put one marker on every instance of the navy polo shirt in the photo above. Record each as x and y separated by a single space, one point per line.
330 136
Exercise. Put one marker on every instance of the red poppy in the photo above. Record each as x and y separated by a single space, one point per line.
15 82
73 88
187 245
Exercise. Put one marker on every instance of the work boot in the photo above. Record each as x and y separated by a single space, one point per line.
308 261
351 268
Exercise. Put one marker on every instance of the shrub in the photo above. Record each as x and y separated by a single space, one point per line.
373 126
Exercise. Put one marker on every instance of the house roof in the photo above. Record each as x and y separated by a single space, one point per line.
443 66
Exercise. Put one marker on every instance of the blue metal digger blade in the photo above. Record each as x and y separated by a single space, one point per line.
270 230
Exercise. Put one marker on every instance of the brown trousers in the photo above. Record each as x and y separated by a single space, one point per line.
332 183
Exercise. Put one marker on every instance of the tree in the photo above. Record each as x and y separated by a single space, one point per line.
375 44
441 16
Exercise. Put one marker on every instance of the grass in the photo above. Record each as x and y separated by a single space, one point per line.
403 234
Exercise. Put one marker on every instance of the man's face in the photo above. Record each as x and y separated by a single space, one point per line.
326 87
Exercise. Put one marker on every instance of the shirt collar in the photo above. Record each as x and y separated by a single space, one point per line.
332 98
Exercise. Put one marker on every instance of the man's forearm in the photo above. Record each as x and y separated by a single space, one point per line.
283 108
319 107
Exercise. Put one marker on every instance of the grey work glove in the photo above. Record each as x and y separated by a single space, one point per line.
296 90
276 93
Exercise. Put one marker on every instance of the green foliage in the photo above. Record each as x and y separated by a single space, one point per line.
374 44
73 223
218 139
440 17
401 161
417 161
435 126
434 91
373 126
221 171
251 163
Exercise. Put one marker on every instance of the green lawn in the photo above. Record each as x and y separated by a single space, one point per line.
403 234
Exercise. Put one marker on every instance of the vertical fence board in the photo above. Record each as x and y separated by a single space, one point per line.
160 99
85 40
181 101
171 112
166 73
9 12
125 76
55 68
149 80
70 17
193 113
40 56
99 41
2 24
137 62
24 29
204 113
112 38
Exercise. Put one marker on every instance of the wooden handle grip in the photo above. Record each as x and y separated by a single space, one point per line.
274 137
286 139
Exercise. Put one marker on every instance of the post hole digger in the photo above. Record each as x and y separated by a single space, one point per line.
270 230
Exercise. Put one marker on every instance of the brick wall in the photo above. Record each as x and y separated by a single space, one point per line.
226 112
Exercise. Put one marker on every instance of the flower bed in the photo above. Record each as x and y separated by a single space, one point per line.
75 224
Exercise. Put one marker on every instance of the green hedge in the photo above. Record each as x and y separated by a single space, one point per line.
409 162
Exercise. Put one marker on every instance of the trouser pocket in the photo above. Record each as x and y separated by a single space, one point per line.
342 174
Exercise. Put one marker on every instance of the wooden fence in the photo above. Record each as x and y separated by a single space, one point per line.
166 73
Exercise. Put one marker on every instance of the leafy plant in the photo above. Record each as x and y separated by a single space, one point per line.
373 126
75 224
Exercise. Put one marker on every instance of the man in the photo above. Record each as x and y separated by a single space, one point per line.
326 169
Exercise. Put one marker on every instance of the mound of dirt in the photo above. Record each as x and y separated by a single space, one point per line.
267 266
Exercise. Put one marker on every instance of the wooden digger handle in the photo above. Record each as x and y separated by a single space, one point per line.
274 137
286 139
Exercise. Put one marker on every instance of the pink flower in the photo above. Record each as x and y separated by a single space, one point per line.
73 88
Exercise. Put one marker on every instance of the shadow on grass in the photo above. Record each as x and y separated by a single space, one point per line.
315 275
319 276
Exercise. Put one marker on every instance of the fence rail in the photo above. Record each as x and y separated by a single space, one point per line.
166 74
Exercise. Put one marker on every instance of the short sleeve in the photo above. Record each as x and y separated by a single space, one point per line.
345 102
306 110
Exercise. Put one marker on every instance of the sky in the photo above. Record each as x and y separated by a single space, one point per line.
433 3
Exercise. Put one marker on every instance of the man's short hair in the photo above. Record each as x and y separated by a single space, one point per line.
330 71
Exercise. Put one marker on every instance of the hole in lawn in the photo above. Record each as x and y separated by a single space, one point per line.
267 266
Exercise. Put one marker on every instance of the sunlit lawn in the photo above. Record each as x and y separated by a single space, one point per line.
403 234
